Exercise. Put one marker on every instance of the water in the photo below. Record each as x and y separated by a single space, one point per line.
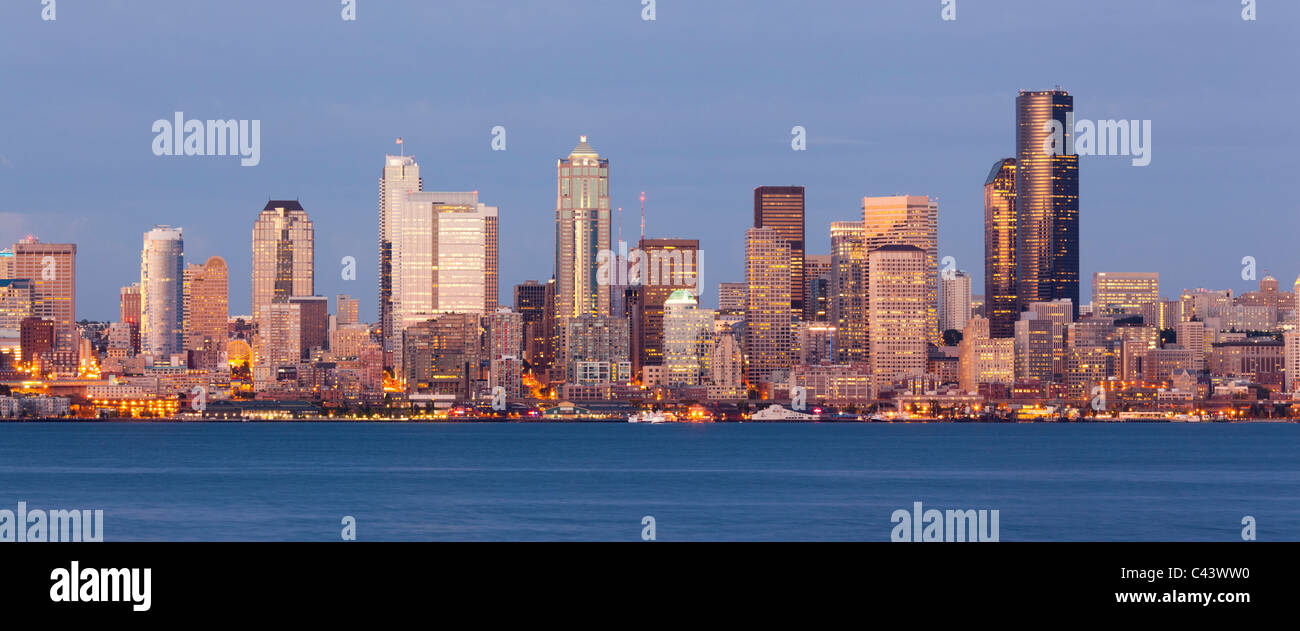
420 482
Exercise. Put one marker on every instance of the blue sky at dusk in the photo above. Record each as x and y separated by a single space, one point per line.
695 108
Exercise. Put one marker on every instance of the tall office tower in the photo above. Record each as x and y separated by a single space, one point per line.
162 290
768 314
129 308
284 254
671 265
491 261
907 220
7 263
817 287
1047 201
688 338
898 311
849 291
954 301
15 302
313 326
401 175
815 342
1124 293
552 366
278 344
731 297
52 270
1000 304
440 258
348 310
530 302
206 305
1195 337
1039 348
782 209
582 223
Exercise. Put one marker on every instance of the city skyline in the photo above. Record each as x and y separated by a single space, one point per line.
877 139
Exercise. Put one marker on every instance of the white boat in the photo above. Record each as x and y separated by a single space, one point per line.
650 417
779 413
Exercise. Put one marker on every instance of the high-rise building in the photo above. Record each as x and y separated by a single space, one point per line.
899 295
768 314
206 305
781 208
1047 200
441 354
849 290
598 339
162 290
129 308
732 296
530 302
505 333
907 220
954 301
817 273
52 270
348 310
36 337
582 232
726 367
284 253
278 344
982 359
15 302
313 324
1000 304
1124 293
440 258
688 336
401 175
672 265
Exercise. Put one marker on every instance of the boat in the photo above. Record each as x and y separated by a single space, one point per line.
779 413
651 417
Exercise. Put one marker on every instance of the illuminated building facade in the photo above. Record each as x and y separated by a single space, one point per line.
284 254
781 208
1047 201
1000 304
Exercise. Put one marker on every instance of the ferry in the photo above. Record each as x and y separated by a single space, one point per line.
651 417
779 413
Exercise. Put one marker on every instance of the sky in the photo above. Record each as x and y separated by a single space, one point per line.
695 108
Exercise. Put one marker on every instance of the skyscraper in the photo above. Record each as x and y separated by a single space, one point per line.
582 231
278 344
849 290
671 265
162 263
530 302
313 323
401 175
768 315
781 208
440 253
284 253
688 338
129 307
1000 304
206 305
954 301
817 287
898 312
1047 201
907 220
52 270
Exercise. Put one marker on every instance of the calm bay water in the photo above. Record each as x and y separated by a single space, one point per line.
421 482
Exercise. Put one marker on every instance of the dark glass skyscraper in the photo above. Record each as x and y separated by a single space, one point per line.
1047 201
1000 248
781 208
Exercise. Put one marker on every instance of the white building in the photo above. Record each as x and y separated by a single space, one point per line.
162 263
